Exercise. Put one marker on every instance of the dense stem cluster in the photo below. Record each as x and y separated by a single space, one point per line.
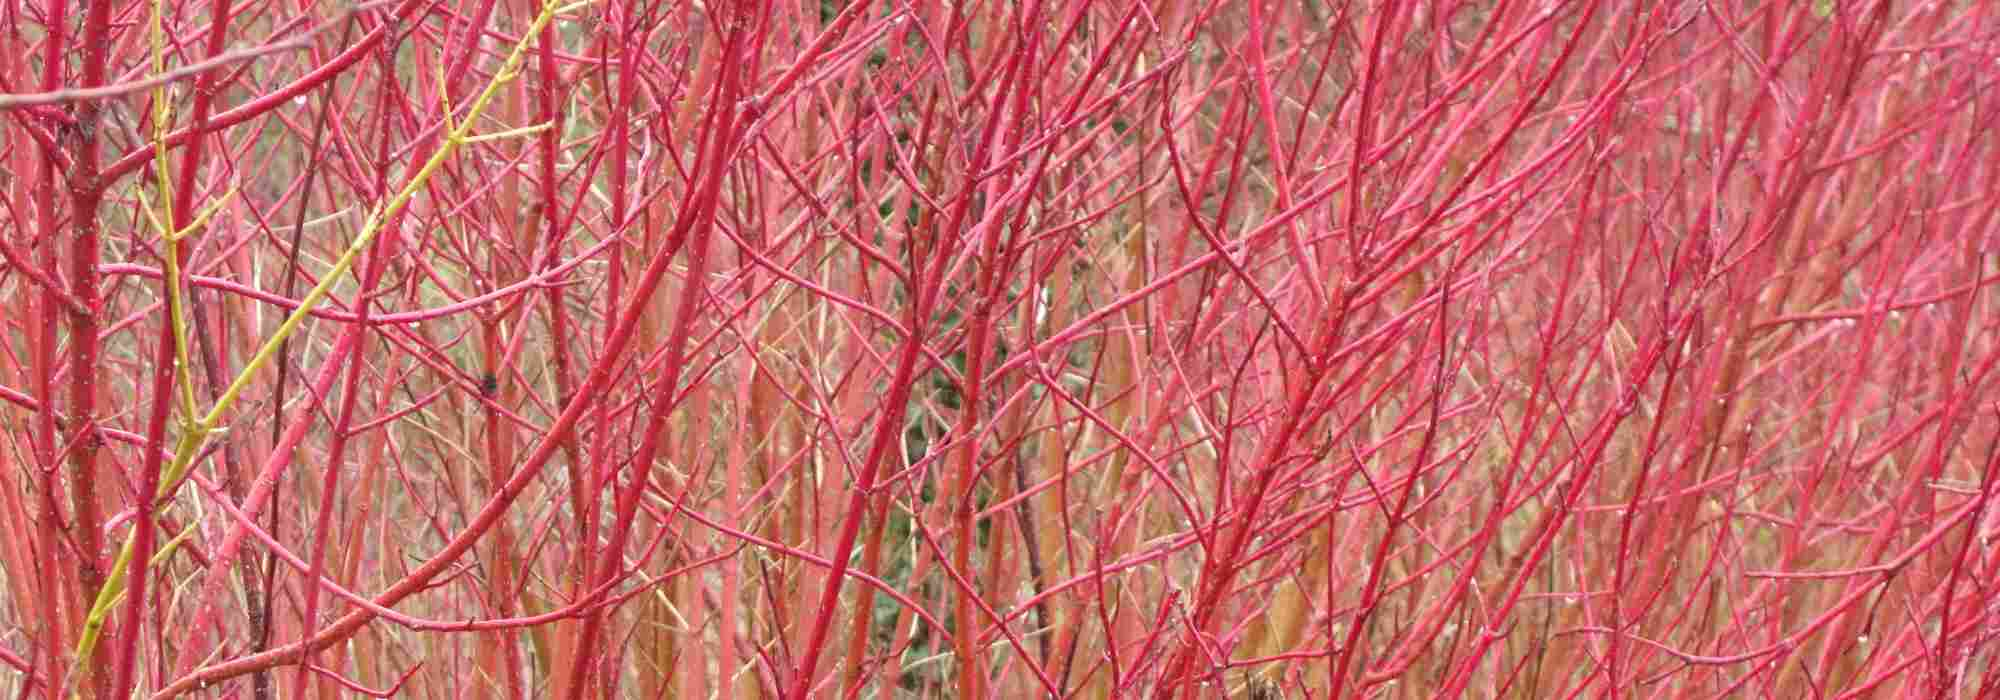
1244 349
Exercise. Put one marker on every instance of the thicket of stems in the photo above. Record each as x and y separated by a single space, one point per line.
642 348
